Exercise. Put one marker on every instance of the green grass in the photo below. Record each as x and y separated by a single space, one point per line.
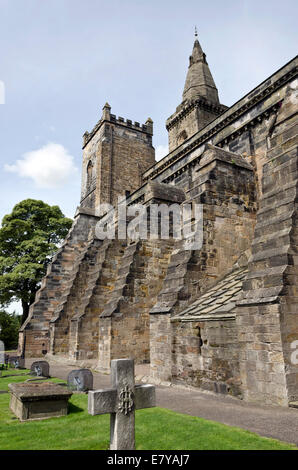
156 429
18 375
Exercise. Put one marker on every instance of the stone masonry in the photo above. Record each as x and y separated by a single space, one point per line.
223 317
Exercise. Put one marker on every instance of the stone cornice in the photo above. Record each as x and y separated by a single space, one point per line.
220 143
199 103
249 101
138 196
86 211
201 318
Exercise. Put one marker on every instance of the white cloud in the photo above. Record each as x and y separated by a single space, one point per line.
161 151
51 166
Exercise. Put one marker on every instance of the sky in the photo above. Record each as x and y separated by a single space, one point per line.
61 60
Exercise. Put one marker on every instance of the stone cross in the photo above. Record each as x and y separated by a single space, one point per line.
121 401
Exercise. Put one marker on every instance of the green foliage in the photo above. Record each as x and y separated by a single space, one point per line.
156 429
29 237
10 325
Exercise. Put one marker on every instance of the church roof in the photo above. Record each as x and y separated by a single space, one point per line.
199 81
218 302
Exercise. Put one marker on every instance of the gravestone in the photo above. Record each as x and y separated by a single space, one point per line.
80 380
38 401
40 369
121 401
2 352
16 361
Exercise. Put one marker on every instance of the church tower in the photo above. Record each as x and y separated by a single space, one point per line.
115 155
200 103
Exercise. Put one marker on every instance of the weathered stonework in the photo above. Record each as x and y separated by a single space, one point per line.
38 401
115 155
200 103
222 317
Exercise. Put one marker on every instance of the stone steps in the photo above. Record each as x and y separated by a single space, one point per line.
85 322
174 281
60 268
105 283
271 247
117 295
277 240
92 279
77 271
274 224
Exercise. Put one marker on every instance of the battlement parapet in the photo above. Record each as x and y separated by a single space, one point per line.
107 116
147 127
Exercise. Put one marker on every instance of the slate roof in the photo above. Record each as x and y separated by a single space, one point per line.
218 302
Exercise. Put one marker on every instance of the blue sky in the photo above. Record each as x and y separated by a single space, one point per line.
61 60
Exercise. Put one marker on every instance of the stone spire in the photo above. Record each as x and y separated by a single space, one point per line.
199 82
200 104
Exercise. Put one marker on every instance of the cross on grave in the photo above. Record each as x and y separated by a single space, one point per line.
121 401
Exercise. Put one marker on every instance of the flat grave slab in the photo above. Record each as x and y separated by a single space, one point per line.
30 401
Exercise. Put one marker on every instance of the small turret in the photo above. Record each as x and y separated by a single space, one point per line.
149 124
106 112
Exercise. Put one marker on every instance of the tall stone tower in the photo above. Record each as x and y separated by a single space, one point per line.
115 154
200 103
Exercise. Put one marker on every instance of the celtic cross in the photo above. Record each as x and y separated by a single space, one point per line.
121 401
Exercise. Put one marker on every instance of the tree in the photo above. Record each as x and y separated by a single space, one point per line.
9 329
29 237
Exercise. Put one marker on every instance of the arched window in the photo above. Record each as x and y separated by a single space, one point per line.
89 174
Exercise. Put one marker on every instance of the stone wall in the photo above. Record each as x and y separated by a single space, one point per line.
224 184
205 354
124 323
267 314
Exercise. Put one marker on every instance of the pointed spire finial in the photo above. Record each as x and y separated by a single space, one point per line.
199 81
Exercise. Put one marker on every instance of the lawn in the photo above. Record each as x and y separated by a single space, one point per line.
156 429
